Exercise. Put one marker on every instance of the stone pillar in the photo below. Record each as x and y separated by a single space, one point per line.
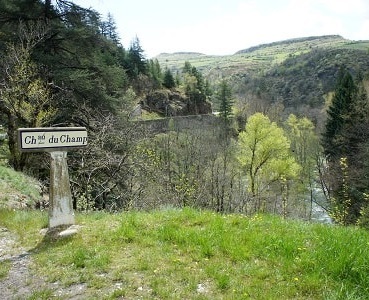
61 208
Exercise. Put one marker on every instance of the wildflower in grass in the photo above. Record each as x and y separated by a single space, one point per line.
257 218
301 248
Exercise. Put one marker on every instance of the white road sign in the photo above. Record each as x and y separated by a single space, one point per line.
52 138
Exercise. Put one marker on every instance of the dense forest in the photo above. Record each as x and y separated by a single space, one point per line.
278 144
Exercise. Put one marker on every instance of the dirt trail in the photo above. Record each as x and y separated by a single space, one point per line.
21 282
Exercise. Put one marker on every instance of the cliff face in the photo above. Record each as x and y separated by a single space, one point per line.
174 103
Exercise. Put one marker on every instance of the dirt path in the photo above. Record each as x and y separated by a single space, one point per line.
21 282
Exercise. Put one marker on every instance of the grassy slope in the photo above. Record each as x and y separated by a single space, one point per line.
188 254
259 58
16 189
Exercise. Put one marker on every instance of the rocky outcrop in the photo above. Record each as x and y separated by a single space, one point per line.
174 103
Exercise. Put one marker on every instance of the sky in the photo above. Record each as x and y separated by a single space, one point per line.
223 27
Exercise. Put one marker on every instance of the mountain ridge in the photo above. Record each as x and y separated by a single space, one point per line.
297 73
328 37
290 41
256 57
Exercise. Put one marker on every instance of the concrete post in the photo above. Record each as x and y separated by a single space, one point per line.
61 208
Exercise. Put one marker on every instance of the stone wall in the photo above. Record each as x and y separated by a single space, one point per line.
181 123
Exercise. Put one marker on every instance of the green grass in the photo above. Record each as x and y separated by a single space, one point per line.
15 187
359 45
5 266
189 254
43 294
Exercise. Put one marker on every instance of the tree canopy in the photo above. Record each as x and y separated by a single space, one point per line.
264 153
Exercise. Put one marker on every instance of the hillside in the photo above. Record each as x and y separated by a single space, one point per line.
299 72
259 57
18 190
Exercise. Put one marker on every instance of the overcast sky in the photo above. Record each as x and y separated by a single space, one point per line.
221 27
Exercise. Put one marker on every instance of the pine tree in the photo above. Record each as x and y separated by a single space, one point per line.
187 67
345 139
195 86
338 116
109 29
155 72
137 63
169 81
224 97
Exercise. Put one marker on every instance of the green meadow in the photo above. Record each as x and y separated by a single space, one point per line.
192 254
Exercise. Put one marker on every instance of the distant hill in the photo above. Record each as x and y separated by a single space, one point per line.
317 41
261 56
182 53
253 58
299 73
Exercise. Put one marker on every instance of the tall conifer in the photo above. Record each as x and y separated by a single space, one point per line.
344 141
338 115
